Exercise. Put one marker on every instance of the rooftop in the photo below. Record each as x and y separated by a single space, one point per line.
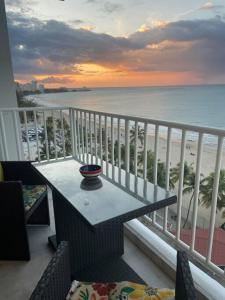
218 249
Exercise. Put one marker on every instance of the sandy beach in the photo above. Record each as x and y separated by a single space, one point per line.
207 166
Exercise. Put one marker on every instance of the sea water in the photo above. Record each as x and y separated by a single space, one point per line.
195 105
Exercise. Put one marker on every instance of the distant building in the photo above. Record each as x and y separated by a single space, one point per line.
26 87
33 86
41 88
30 87
18 86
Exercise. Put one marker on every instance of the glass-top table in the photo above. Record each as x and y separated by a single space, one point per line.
92 220
109 201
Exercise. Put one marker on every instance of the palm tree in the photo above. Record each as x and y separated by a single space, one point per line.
123 155
141 134
206 190
175 173
67 136
51 137
189 188
23 102
132 153
188 183
161 170
161 174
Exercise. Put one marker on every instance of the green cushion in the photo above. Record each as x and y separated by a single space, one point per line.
123 290
31 193
1 173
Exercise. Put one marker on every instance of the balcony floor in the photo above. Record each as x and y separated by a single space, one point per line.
18 279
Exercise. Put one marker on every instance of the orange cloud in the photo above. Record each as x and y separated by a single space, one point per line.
178 45
143 28
102 78
87 27
153 24
57 80
139 79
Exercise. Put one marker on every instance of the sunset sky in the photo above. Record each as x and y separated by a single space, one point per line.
117 43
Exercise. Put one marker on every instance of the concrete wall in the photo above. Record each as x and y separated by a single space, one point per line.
7 87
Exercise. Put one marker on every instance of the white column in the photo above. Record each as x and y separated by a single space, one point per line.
7 86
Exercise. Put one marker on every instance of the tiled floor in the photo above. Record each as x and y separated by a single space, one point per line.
18 279
145 268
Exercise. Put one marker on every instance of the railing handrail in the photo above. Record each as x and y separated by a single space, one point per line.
34 108
169 124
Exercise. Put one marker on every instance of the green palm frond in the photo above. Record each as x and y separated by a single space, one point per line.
206 191
140 135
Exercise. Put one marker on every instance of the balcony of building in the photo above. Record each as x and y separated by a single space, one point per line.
132 151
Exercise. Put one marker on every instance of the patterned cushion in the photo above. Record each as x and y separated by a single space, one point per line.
1 173
124 290
31 193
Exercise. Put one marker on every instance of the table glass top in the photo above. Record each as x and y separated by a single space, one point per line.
108 201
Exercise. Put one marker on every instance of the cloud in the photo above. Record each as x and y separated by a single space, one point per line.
13 2
92 1
55 46
24 7
87 27
76 22
189 30
195 46
110 7
206 7
55 79
107 6
20 3
210 6
81 24
16 3
153 24
52 47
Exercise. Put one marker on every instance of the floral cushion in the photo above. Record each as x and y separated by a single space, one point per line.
124 290
31 193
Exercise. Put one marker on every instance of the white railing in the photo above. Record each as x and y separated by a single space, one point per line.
132 146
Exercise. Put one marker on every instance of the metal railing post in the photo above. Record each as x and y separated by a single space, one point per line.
71 118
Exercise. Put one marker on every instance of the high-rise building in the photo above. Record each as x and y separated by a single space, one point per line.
30 87
33 85
41 88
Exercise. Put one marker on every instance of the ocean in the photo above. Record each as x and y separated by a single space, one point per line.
196 105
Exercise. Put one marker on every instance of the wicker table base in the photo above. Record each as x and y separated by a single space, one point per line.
88 245
52 241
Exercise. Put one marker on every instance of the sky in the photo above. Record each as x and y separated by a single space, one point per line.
104 43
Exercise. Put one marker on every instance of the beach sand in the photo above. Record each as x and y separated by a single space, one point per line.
207 166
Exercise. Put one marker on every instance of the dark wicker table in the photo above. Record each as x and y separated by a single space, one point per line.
92 221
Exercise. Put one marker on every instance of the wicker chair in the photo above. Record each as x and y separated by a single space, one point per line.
13 214
56 280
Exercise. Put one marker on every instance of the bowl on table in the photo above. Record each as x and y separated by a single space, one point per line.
90 171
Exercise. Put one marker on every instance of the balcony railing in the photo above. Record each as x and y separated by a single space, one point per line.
172 155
